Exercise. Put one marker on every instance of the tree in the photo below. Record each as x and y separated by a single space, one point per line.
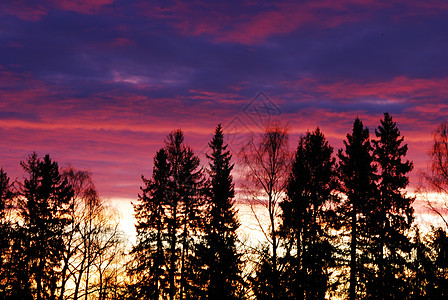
440 246
266 162
185 202
168 215
430 265
357 176
218 253
437 175
6 198
92 241
429 277
83 187
307 217
392 214
43 204
109 253
151 228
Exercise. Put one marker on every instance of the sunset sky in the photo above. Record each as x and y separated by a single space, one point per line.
99 83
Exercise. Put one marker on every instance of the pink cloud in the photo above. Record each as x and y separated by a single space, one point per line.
253 23
247 27
24 10
36 10
127 112
19 89
398 89
122 42
117 137
81 6
216 97
417 120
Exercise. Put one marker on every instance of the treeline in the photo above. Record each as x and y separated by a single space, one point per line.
335 225
59 239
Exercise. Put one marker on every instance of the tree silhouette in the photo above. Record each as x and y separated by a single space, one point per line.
92 241
307 217
429 277
43 205
392 214
440 245
62 240
6 234
357 176
430 265
437 175
184 213
218 253
151 228
168 225
266 162
73 265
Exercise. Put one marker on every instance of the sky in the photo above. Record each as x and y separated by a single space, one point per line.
98 84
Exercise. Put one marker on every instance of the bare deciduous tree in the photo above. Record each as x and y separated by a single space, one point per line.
437 175
91 243
266 162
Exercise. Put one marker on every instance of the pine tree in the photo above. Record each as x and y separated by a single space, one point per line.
439 244
393 213
307 217
151 229
429 277
6 198
43 206
221 274
6 194
169 215
185 202
357 176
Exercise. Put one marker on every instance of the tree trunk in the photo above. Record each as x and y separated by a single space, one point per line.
274 250
158 259
353 245
173 252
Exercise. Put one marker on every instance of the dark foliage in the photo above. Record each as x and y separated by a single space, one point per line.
392 215
36 246
307 218
6 234
168 216
149 252
221 273
357 176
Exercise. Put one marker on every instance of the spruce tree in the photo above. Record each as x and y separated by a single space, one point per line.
185 202
439 244
6 198
221 274
357 176
307 217
149 252
392 216
43 206
429 277
169 214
